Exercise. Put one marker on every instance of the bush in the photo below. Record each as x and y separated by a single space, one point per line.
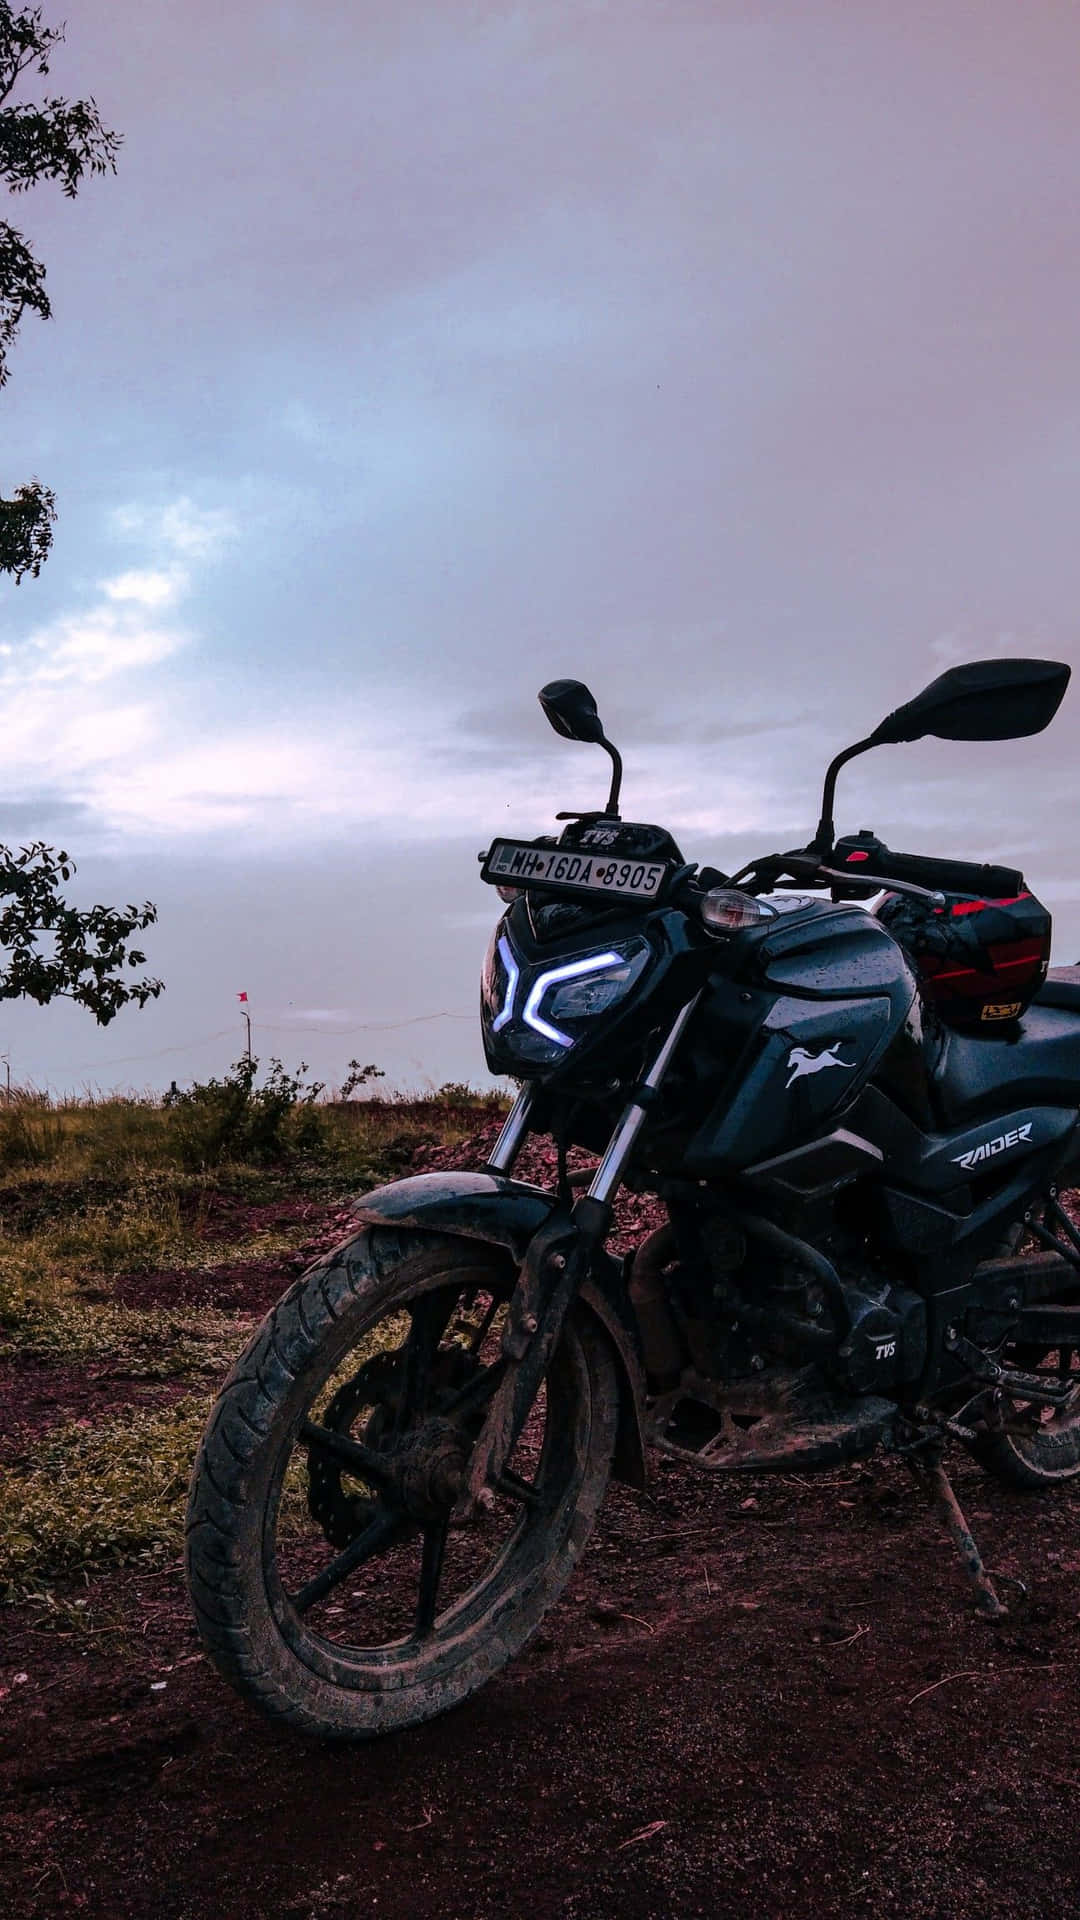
233 1119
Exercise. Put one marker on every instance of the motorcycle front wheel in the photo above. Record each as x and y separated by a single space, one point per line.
333 1580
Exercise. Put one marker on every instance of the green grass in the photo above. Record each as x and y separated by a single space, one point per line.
94 1497
147 1343
97 1188
125 1137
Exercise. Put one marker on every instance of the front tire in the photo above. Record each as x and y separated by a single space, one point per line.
390 1347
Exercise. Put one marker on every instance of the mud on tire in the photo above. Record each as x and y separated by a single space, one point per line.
357 1663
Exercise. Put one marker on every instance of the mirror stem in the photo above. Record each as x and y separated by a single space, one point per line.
611 811
822 843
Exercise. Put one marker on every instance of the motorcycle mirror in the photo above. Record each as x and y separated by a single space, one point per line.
982 700
571 709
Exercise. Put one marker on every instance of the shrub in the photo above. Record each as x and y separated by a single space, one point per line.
358 1077
233 1119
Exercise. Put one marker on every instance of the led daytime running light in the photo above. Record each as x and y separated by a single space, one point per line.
573 970
513 975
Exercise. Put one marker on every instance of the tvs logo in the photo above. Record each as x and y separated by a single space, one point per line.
801 1062
988 1148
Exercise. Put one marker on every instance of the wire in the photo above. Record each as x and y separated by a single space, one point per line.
130 1059
258 1026
368 1026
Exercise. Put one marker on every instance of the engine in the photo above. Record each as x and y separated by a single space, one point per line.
738 1306
885 1345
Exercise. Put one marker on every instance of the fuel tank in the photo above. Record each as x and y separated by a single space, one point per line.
807 1010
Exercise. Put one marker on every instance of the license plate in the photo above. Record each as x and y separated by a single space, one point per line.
514 863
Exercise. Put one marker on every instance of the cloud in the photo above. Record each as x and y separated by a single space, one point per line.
90 647
179 526
84 695
146 587
38 814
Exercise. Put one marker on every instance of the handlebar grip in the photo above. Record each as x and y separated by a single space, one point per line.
923 870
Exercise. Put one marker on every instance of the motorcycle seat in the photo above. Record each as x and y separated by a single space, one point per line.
1061 988
1036 1064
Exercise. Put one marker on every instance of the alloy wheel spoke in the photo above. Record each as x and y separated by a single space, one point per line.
378 1533
431 1565
428 1322
478 1391
364 1461
515 1488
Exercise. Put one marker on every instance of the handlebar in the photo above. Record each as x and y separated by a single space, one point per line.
842 888
922 870
860 865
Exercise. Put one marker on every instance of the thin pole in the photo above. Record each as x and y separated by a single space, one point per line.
247 1019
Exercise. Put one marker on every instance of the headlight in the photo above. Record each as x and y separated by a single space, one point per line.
537 1013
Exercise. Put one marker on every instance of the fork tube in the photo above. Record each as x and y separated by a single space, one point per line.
621 1145
515 1127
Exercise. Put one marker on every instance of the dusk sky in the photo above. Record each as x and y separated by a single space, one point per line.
725 356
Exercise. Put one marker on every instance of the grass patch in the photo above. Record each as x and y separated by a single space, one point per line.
96 1497
138 1229
223 1124
146 1343
93 1189
55 1281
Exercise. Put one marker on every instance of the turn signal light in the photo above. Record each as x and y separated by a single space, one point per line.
726 910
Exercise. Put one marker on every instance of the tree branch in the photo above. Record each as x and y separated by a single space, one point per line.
26 524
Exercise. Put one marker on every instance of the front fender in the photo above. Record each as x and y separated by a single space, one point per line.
479 1206
507 1213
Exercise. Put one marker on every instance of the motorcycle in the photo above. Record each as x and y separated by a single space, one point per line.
859 1120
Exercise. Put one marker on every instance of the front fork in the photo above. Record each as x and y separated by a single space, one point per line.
556 1263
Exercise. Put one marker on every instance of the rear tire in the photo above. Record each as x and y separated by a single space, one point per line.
1042 1450
247 1523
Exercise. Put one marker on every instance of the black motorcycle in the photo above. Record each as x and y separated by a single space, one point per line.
859 1123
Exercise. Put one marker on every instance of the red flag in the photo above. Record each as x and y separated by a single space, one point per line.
241 996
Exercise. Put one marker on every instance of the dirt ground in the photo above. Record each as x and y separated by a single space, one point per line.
760 1697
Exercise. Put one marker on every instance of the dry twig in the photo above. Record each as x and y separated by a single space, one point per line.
646 1833
429 1815
857 1635
969 1673
683 1533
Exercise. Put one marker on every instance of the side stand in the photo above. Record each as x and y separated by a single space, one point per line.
929 1471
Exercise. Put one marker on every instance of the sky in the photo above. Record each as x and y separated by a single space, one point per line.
721 355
